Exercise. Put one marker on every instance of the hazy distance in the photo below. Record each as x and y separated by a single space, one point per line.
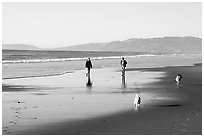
52 25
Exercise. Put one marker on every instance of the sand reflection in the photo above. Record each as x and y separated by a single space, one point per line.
89 83
123 81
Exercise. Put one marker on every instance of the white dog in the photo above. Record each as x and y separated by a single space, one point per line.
137 101
178 79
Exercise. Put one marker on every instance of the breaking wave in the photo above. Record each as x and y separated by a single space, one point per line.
72 59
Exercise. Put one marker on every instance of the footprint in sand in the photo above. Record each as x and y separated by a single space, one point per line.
30 118
17 116
11 122
8 132
19 102
5 129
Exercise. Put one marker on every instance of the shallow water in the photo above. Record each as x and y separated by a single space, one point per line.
58 68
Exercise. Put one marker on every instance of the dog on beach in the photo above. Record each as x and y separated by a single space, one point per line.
137 101
178 79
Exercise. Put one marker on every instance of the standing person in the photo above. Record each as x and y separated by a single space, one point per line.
123 64
88 65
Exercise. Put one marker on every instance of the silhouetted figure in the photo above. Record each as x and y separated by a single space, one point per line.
178 79
123 64
88 65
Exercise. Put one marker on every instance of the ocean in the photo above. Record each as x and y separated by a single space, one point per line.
38 56
38 63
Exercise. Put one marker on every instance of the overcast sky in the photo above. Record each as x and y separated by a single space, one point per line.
48 25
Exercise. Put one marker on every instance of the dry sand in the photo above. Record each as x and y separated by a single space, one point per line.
63 105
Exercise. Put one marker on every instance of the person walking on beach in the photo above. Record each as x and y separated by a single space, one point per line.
88 65
123 64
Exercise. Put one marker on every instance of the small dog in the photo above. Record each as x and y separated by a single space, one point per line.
137 101
178 79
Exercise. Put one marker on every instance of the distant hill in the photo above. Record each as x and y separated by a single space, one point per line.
19 47
163 44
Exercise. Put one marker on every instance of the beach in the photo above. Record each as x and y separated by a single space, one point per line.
63 104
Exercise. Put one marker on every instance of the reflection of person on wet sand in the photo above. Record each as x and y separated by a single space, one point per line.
89 83
88 65
123 81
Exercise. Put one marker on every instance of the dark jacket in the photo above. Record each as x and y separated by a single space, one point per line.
88 64
123 63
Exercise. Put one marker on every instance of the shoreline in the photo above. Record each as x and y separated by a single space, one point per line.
53 68
48 75
185 117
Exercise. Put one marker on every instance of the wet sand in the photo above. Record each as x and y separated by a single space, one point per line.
50 105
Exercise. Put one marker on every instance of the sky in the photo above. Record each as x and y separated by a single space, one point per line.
50 25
